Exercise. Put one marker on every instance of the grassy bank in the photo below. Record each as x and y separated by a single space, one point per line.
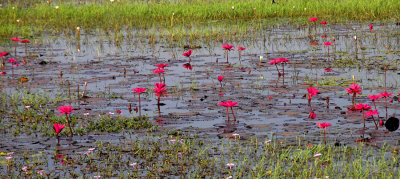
34 17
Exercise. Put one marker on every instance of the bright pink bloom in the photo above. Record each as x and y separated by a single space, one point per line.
16 39
2 54
11 60
327 70
281 60
231 103
313 19
312 115
223 104
323 125
312 91
227 47
371 26
385 94
324 22
220 78
241 48
119 111
3 73
25 41
374 97
58 127
188 53
364 107
161 65
158 70
354 89
139 90
188 66
159 89
372 113
65 109
327 43
274 61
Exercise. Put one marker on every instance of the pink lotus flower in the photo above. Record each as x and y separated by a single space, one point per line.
161 65
188 66
312 115
372 113
371 27
65 109
159 89
16 39
188 53
274 61
228 104
361 106
11 60
3 73
2 54
220 78
323 125
58 127
327 43
284 60
354 89
374 97
139 90
227 47
324 22
327 70
385 94
312 92
158 70
25 41
241 48
118 111
313 19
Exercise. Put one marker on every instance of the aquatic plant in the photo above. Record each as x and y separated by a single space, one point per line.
16 40
66 110
385 95
26 48
58 128
327 44
374 98
187 66
362 107
275 62
240 49
324 125
159 90
354 89
139 91
311 92
188 54
159 71
312 115
228 48
220 78
373 113
371 27
229 104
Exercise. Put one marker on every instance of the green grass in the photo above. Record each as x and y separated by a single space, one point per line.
41 17
194 157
